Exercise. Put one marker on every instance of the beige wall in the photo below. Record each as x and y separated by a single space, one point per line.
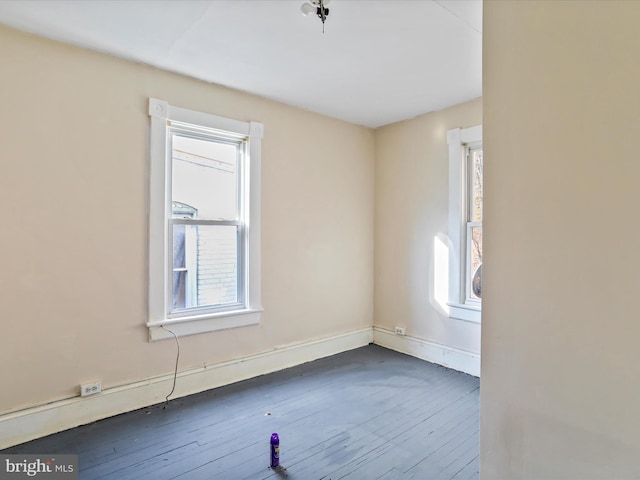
560 370
411 205
74 238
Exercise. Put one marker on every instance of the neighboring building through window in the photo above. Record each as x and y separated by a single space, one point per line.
204 221
183 276
465 222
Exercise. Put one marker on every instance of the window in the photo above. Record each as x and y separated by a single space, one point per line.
465 223
204 265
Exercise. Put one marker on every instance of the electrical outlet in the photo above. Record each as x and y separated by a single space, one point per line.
90 389
399 331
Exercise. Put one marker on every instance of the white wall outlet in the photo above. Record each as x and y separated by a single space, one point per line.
399 331
90 389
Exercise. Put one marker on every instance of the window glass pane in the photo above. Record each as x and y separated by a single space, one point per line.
179 269
205 263
475 184
476 262
205 178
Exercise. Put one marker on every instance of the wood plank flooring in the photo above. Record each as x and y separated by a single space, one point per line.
369 413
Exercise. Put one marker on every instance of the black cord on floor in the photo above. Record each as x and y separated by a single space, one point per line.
175 373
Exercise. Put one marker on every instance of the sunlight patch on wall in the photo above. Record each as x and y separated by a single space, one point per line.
441 274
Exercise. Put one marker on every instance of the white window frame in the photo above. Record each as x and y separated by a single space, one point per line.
460 306
208 320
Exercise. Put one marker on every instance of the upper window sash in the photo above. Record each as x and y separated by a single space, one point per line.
473 213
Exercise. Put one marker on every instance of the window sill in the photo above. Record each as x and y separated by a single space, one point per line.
203 323
468 313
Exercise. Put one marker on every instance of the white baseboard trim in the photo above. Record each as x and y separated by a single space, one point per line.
454 358
28 424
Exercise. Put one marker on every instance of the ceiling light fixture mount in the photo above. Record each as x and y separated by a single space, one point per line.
319 7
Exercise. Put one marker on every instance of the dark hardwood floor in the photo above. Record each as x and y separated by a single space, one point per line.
369 413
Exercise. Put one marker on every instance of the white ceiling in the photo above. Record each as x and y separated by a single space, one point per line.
378 62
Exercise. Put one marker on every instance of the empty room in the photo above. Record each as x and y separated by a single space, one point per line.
247 239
